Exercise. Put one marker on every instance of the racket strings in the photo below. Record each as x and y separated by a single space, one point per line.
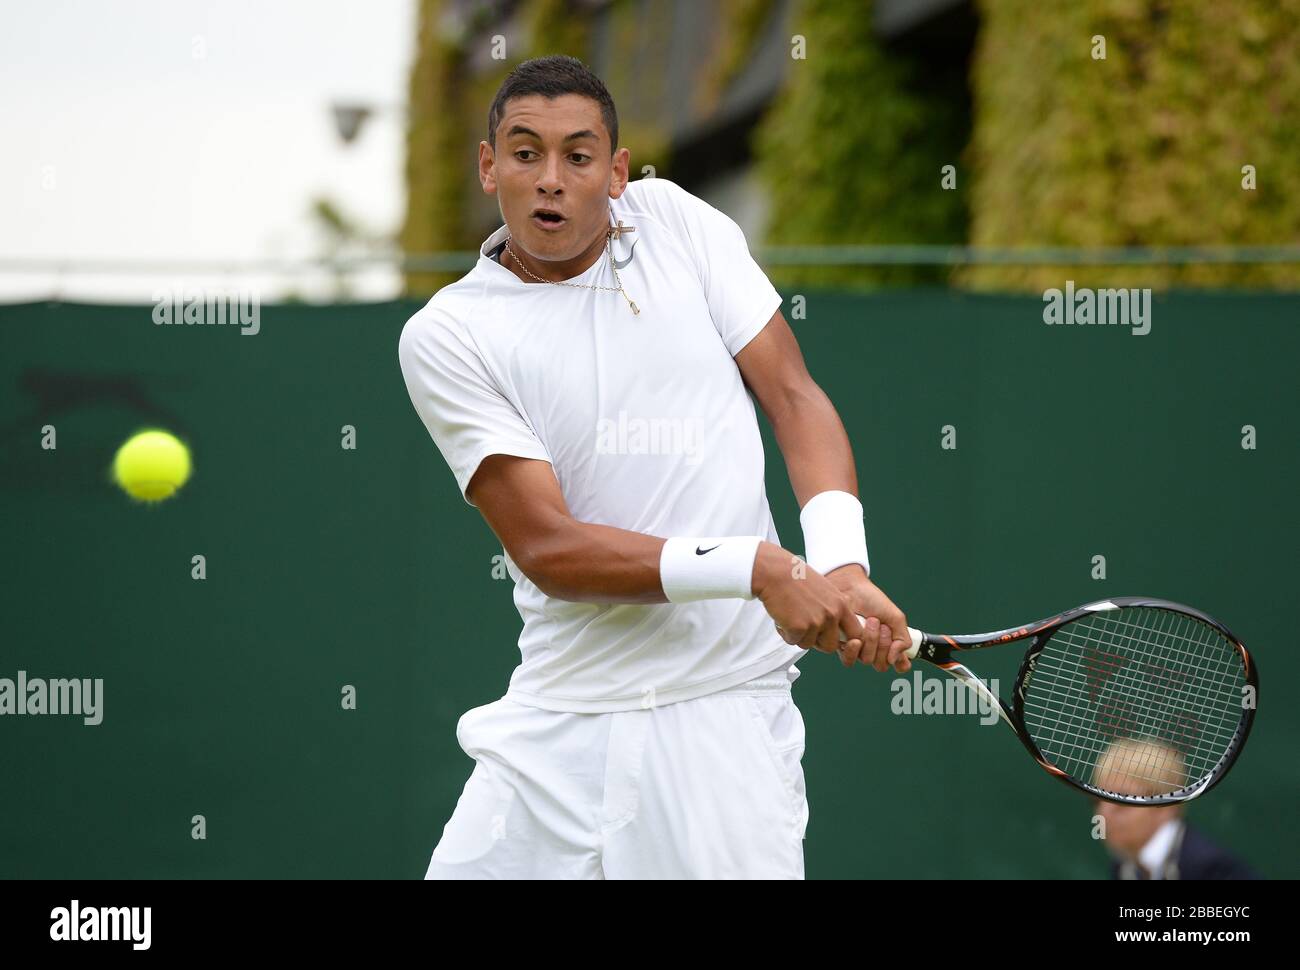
1137 701
1131 715
1065 667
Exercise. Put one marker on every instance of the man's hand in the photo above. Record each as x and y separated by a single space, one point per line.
809 610
885 641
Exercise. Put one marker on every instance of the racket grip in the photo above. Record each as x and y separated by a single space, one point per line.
916 635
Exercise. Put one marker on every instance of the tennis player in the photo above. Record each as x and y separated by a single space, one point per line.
586 383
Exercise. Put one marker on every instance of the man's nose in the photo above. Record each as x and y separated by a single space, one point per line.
551 181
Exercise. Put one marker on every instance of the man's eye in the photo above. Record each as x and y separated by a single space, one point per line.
580 158
524 151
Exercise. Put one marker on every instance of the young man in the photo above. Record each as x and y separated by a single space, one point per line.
586 383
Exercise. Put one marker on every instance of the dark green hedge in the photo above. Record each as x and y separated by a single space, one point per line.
1143 148
853 149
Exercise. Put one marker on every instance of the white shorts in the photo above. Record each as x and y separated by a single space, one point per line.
709 788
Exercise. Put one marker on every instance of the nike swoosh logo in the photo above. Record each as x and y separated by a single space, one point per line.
622 265
700 552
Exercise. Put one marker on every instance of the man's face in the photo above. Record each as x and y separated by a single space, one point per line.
553 154
1129 827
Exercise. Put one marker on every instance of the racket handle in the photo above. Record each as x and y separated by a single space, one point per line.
916 635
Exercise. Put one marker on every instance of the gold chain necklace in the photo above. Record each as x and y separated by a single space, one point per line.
612 233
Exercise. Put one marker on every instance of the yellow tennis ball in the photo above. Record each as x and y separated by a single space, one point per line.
152 465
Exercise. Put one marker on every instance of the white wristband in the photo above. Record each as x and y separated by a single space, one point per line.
708 569
833 532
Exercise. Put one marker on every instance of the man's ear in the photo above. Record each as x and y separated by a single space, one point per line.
487 168
619 175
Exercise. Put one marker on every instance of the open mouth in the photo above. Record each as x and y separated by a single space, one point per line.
548 219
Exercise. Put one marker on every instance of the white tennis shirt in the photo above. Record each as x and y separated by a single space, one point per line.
646 423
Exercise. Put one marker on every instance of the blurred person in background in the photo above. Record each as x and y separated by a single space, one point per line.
1155 841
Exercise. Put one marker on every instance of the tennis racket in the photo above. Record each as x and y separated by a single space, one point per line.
1134 700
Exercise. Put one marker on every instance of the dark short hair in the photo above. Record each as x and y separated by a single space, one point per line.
551 77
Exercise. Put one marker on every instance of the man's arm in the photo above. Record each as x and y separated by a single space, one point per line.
819 458
521 500
570 560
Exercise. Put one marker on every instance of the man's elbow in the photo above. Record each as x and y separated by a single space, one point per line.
546 561
536 568
796 402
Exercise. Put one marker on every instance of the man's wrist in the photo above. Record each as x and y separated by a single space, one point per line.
696 568
770 563
852 571
834 532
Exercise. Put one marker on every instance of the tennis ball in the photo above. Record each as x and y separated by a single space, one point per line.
151 466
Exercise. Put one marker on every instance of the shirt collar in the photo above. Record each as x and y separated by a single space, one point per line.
1155 854
493 241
